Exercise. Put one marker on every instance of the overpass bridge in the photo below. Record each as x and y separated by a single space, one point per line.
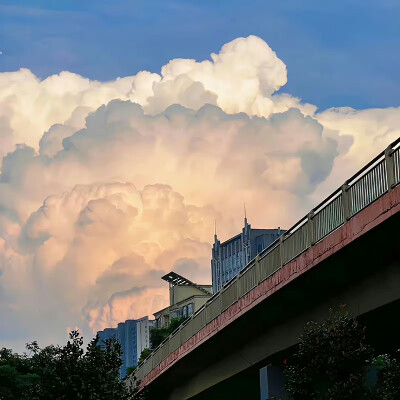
345 251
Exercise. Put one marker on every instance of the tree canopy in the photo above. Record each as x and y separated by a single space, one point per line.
16 377
333 360
158 335
64 372
388 377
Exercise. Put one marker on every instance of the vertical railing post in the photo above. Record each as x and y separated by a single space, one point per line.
219 299
346 202
310 225
190 327
257 267
151 361
180 337
389 167
206 311
281 252
168 347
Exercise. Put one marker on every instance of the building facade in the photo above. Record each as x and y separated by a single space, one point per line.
185 298
134 336
105 335
231 256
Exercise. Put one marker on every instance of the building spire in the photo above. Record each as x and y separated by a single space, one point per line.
215 229
245 214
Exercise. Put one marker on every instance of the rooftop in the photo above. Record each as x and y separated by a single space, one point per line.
257 230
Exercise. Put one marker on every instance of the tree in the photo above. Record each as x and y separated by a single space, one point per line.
135 392
331 361
69 372
129 370
65 372
144 354
388 382
16 380
104 381
158 335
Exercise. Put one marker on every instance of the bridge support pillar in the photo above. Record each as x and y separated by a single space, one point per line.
272 383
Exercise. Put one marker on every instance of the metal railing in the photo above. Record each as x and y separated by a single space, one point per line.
229 294
379 176
329 217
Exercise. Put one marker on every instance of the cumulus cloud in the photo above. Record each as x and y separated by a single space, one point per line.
242 77
365 134
106 186
99 247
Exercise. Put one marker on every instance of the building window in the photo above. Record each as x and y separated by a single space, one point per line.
175 314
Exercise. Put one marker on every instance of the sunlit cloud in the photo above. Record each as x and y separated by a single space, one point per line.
106 186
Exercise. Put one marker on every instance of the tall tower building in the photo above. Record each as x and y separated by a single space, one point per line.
230 257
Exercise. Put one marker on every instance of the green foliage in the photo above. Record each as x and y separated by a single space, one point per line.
135 392
158 335
129 370
16 380
70 373
65 372
15 385
144 354
388 387
331 361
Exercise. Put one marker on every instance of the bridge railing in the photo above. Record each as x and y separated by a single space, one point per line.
376 178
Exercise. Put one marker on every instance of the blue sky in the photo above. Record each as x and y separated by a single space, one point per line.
338 53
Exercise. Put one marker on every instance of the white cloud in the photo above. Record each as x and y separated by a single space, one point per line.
367 132
119 182
241 78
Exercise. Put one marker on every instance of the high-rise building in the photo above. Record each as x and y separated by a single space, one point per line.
231 256
134 336
106 334
121 336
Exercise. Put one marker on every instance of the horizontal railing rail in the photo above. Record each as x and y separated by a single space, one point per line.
376 178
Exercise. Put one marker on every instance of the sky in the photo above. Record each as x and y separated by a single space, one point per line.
126 131
337 53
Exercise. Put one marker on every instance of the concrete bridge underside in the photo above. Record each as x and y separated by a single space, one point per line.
357 265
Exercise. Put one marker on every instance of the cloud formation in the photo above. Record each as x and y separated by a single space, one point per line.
241 78
106 186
